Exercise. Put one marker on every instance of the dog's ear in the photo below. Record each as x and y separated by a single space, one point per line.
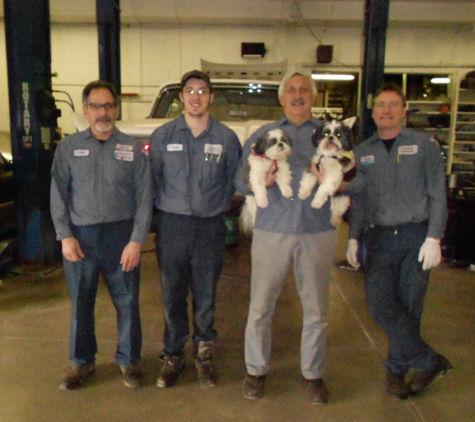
286 138
350 121
316 135
259 147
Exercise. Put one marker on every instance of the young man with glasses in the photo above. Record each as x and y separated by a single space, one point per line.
194 159
101 202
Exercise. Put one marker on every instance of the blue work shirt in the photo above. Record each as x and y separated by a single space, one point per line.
96 182
194 176
289 215
404 185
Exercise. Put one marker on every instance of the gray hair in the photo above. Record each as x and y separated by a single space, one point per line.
98 85
290 75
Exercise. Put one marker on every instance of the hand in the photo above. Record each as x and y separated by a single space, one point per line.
71 249
430 254
319 175
351 253
131 256
271 177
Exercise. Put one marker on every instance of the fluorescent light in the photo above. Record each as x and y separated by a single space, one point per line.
440 80
334 77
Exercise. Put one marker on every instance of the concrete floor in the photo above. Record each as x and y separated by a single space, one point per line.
34 318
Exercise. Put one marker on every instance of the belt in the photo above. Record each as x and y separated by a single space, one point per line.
399 227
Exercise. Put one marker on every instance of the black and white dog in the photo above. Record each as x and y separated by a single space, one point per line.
334 156
268 155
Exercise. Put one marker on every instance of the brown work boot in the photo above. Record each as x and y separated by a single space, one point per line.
133 376
421 382
253 386
173 366
76 376
204 365
317 391
396 386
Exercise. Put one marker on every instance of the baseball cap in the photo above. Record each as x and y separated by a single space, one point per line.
195 74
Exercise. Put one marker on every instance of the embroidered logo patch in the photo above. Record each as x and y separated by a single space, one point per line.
121 147
367 159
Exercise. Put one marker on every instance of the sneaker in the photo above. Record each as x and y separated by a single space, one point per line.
173 366
76 376
133 376
396 386
253 386
204 365
317 391
421 382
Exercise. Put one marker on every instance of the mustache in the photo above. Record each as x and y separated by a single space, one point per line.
298 101
104 119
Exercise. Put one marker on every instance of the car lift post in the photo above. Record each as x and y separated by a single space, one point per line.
33 126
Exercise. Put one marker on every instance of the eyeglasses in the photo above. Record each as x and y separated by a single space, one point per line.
191 91
98 106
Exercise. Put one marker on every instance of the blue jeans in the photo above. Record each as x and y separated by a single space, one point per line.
102 245
190 254
395 286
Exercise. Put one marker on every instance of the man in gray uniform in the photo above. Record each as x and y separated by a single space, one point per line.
101 203
401 205
194 159
289 232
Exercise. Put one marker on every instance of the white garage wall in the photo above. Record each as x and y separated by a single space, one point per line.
152 55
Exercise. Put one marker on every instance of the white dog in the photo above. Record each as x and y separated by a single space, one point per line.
268 156
334 141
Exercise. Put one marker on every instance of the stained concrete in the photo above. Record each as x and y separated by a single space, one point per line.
34 319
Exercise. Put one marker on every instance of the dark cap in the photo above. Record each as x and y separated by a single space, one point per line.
195 74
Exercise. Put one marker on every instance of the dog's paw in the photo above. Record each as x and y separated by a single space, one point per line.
318 202
336 220
287 192
304 193
262 202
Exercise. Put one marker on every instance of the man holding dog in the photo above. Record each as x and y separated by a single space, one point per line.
289 232
401 208
194 159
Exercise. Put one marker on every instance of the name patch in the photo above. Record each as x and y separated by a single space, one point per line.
123 155
407 149
174 147
80 152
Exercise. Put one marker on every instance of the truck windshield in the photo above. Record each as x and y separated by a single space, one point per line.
232 103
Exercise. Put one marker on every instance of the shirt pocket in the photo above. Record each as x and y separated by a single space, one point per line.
82 168
120 173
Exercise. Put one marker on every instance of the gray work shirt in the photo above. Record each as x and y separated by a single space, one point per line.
96 182
289 215
194 176
405 185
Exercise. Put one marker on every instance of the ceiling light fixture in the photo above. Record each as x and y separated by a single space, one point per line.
332 77
440 80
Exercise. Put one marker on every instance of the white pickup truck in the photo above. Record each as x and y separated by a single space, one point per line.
242 105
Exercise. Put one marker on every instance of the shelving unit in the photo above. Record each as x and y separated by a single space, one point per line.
432 117
462 154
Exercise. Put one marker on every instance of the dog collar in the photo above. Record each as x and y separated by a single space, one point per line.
267 158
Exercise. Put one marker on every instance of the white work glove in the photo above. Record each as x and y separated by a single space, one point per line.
351 253
430 254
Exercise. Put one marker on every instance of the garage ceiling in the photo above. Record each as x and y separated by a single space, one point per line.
328 13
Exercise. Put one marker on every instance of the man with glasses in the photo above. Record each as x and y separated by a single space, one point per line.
101 203
194 159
